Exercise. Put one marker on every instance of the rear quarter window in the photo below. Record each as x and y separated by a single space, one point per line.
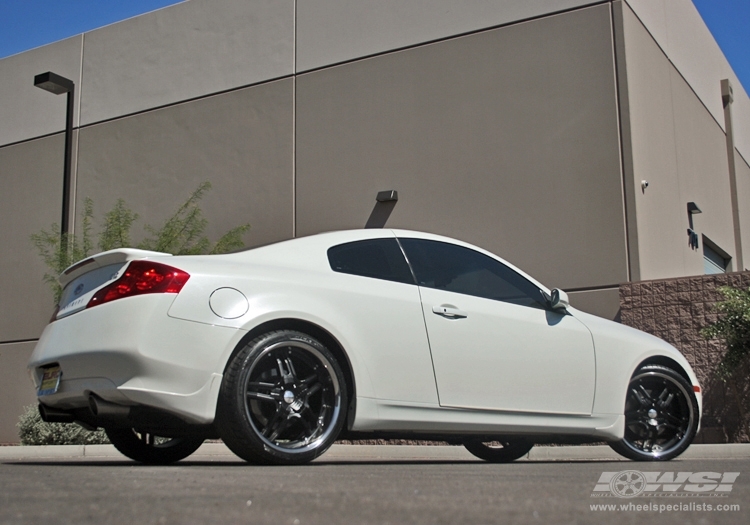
375 258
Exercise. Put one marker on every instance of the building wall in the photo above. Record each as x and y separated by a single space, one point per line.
334 31
31 199
15 390
27 112
743 191
240 141
506 138
676 145
682 36
188 50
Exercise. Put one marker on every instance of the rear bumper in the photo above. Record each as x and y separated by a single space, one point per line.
131 352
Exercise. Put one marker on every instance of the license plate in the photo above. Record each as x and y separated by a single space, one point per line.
50 381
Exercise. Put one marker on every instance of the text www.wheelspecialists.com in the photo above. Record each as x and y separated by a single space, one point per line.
665 507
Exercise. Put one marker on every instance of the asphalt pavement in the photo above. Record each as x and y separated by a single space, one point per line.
365 484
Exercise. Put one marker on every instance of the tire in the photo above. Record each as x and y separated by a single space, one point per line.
282 400
154 450
661 415
503 451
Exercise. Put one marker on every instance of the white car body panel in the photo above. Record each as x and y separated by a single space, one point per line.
511 358
381 319
387 415
170 351
618 347
152 359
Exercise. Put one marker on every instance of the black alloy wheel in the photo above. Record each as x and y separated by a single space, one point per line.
151 449
282 399
661 415
502 451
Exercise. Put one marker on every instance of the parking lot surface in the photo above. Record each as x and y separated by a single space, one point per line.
369 484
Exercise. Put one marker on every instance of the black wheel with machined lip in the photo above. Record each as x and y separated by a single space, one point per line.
661 415
282 399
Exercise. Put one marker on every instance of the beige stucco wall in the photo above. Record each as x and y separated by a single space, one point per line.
603 302
679 31
182 52
16 390
679 148
335 31
30 199
506 138
743 191
27 112
239 141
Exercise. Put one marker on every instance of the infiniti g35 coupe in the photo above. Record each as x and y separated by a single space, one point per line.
281 350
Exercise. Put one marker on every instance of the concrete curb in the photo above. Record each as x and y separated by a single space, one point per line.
384 452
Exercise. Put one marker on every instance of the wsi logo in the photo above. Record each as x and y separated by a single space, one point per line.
633 483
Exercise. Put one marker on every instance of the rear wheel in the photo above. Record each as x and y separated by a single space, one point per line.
148 448
282 399
502 451
661 415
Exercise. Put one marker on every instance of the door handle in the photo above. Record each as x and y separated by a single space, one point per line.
449 312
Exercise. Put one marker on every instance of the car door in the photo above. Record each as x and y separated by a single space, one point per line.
381 313
494 343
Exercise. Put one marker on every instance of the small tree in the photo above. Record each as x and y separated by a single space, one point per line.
181 234
58 252
733 328
116 227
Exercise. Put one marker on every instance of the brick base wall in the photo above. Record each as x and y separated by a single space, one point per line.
676 310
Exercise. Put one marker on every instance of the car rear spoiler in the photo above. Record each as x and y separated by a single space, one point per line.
120 255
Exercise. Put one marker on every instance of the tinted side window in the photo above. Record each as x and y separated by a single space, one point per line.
377 258
461 270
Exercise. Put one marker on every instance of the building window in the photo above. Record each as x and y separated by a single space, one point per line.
715 260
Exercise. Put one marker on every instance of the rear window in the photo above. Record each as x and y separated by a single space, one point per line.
376 258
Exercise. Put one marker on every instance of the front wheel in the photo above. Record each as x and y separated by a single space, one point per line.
148 448
661 415
503 451
282 400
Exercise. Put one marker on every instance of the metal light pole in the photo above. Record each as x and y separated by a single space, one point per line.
58 85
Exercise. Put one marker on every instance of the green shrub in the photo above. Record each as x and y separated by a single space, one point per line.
33 431
733 328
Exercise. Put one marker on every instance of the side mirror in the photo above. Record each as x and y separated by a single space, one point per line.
558 300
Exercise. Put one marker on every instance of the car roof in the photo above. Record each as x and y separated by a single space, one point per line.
311 251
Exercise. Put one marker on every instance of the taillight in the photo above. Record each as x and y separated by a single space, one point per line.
142 277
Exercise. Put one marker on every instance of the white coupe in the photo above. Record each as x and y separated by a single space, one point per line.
281 350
